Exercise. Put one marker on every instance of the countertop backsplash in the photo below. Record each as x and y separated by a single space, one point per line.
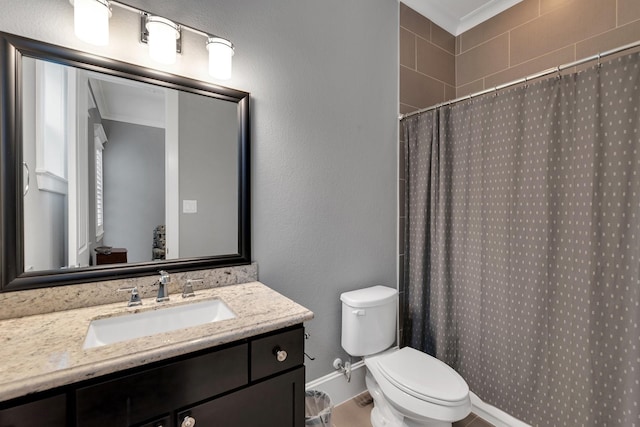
60 298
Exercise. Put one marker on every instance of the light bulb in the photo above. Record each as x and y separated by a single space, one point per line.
163 34
91 20
220 55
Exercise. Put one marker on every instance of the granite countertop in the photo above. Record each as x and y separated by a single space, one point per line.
44 351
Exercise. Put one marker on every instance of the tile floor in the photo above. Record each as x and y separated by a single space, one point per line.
357 411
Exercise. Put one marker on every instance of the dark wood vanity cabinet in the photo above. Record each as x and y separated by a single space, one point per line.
272 403
46 411
257 382
276 396
136 398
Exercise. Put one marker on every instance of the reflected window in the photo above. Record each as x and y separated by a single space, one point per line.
51 118
100 139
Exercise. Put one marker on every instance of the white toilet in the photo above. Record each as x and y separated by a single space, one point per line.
409 388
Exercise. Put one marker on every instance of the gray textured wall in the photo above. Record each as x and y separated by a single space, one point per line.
208 174
323 76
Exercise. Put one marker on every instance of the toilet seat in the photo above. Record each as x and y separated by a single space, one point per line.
424 377
409 390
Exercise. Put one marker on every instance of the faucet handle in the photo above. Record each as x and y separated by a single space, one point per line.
187 291
164 277
135 297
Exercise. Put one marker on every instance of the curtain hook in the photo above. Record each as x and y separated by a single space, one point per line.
599 63
558 71
526 79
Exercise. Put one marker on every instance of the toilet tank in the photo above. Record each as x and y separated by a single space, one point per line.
368 320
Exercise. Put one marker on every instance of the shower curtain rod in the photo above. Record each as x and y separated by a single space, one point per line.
548 71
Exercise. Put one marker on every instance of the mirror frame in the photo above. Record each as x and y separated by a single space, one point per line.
12 275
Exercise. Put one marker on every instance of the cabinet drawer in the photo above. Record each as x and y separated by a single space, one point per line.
50 412
160 422
264 353
276 402
144 395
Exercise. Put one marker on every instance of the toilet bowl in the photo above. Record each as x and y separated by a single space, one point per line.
420 389
409 387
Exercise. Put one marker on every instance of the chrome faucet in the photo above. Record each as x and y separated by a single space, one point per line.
163 292
187 291
135 297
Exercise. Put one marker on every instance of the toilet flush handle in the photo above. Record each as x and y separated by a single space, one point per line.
359 312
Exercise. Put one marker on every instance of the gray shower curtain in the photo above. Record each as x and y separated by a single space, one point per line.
522 257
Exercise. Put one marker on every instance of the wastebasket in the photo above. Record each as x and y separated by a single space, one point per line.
317 409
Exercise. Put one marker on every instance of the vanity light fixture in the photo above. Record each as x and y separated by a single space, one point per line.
220 54
163 36
91 20
162 39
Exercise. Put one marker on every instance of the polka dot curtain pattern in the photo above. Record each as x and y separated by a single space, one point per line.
522 257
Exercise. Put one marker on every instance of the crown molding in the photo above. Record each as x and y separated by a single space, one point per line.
454 22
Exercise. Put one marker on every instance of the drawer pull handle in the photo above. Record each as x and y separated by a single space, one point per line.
280 354
188 422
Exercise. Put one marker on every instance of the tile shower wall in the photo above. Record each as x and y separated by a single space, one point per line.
427 76
529 37
535 35
532 36
427 62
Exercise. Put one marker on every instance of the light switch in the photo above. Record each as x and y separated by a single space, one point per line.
189 206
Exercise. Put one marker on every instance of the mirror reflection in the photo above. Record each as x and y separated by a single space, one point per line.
120 171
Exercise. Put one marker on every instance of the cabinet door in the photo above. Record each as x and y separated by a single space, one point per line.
50 412
278 401
137 398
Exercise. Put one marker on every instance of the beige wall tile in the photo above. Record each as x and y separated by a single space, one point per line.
519 14
553 59
611 39
574 21
407 49
419 90
482 60
547 6
628 11
406 109
414 22
544 34
442 38
435 62
470 88
449 92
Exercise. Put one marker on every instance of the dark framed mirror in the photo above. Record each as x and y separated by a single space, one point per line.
111 170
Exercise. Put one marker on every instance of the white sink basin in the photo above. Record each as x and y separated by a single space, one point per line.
136 325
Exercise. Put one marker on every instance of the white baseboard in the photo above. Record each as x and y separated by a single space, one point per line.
492 414
336 386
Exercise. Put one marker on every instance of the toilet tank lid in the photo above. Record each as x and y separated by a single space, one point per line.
369 297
